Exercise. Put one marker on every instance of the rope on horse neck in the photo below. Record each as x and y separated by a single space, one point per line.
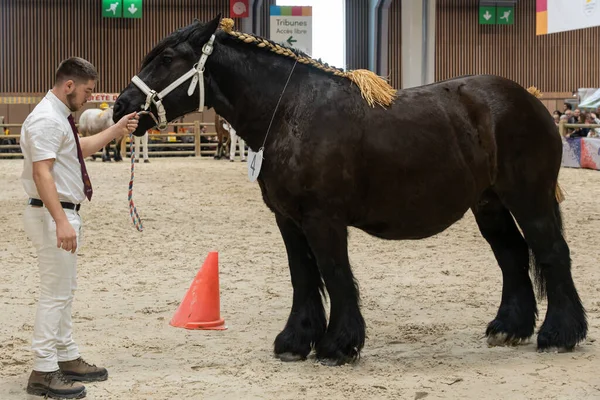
277 106
135 218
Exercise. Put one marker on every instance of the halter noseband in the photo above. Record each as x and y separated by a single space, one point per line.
197 75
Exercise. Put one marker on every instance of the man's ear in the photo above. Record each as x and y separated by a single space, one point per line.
69 85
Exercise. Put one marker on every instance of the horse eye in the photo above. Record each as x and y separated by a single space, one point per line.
167 59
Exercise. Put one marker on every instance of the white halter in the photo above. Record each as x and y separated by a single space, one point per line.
197 75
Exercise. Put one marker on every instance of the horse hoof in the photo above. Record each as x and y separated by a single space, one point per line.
562 332
504 331
555 350
290 357
502 339
332 357
336 362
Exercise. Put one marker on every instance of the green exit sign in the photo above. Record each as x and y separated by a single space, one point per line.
122 8
487 15
112 8
505 15
496 15
132 8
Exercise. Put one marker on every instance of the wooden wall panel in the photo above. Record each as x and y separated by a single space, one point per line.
395 44
559 62
36 35
357 34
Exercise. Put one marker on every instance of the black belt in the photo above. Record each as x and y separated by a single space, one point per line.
64 204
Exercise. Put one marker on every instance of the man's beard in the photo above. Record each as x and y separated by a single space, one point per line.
70 102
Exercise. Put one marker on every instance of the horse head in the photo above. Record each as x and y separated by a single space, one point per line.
159 87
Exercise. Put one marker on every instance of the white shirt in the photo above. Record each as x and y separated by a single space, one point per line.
46 134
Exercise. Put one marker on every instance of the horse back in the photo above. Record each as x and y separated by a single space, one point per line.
431 154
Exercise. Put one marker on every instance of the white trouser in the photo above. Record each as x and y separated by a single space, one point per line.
52 331
144 140
235 138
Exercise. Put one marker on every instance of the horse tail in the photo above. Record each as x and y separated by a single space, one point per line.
538 276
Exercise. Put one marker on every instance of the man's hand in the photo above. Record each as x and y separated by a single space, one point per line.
128 123
66 237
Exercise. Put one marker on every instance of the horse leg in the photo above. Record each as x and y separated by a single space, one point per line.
307 323
515 320
345 334
539 216
227 145
106 153
219 142
118 150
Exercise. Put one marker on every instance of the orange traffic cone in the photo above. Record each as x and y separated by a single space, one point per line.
200 308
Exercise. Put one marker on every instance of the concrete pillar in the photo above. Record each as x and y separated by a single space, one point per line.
248 23
256 20
384 28
374 36
418 42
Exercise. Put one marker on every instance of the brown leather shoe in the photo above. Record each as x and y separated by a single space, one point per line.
79 370
54 385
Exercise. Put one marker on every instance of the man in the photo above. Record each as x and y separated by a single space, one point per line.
570 117
567 106
56 181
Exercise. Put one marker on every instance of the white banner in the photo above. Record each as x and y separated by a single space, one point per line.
568 15
581 153
571 154
589 98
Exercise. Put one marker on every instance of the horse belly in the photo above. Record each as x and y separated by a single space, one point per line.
417 209
403 226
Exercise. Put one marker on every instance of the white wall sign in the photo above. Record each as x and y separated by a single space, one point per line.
566 15
292 27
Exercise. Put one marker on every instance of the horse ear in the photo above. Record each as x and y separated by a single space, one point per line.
201 35
214 24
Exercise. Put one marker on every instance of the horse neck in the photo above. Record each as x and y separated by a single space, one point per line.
263 79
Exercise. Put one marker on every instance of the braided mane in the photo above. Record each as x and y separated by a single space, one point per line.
373 88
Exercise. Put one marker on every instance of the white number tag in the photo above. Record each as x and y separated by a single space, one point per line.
254 163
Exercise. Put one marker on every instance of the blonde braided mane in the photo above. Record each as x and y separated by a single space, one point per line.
534 91
373 88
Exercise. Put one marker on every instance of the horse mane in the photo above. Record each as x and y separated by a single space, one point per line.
179 36
534 91
373 88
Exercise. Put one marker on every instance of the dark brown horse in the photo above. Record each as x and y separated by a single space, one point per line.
406 168
223 138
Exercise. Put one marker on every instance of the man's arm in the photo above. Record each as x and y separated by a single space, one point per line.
66 237
91 144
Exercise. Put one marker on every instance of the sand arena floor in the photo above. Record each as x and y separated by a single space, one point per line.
426 303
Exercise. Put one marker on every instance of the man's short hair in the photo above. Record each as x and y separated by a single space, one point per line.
569 106
76 69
